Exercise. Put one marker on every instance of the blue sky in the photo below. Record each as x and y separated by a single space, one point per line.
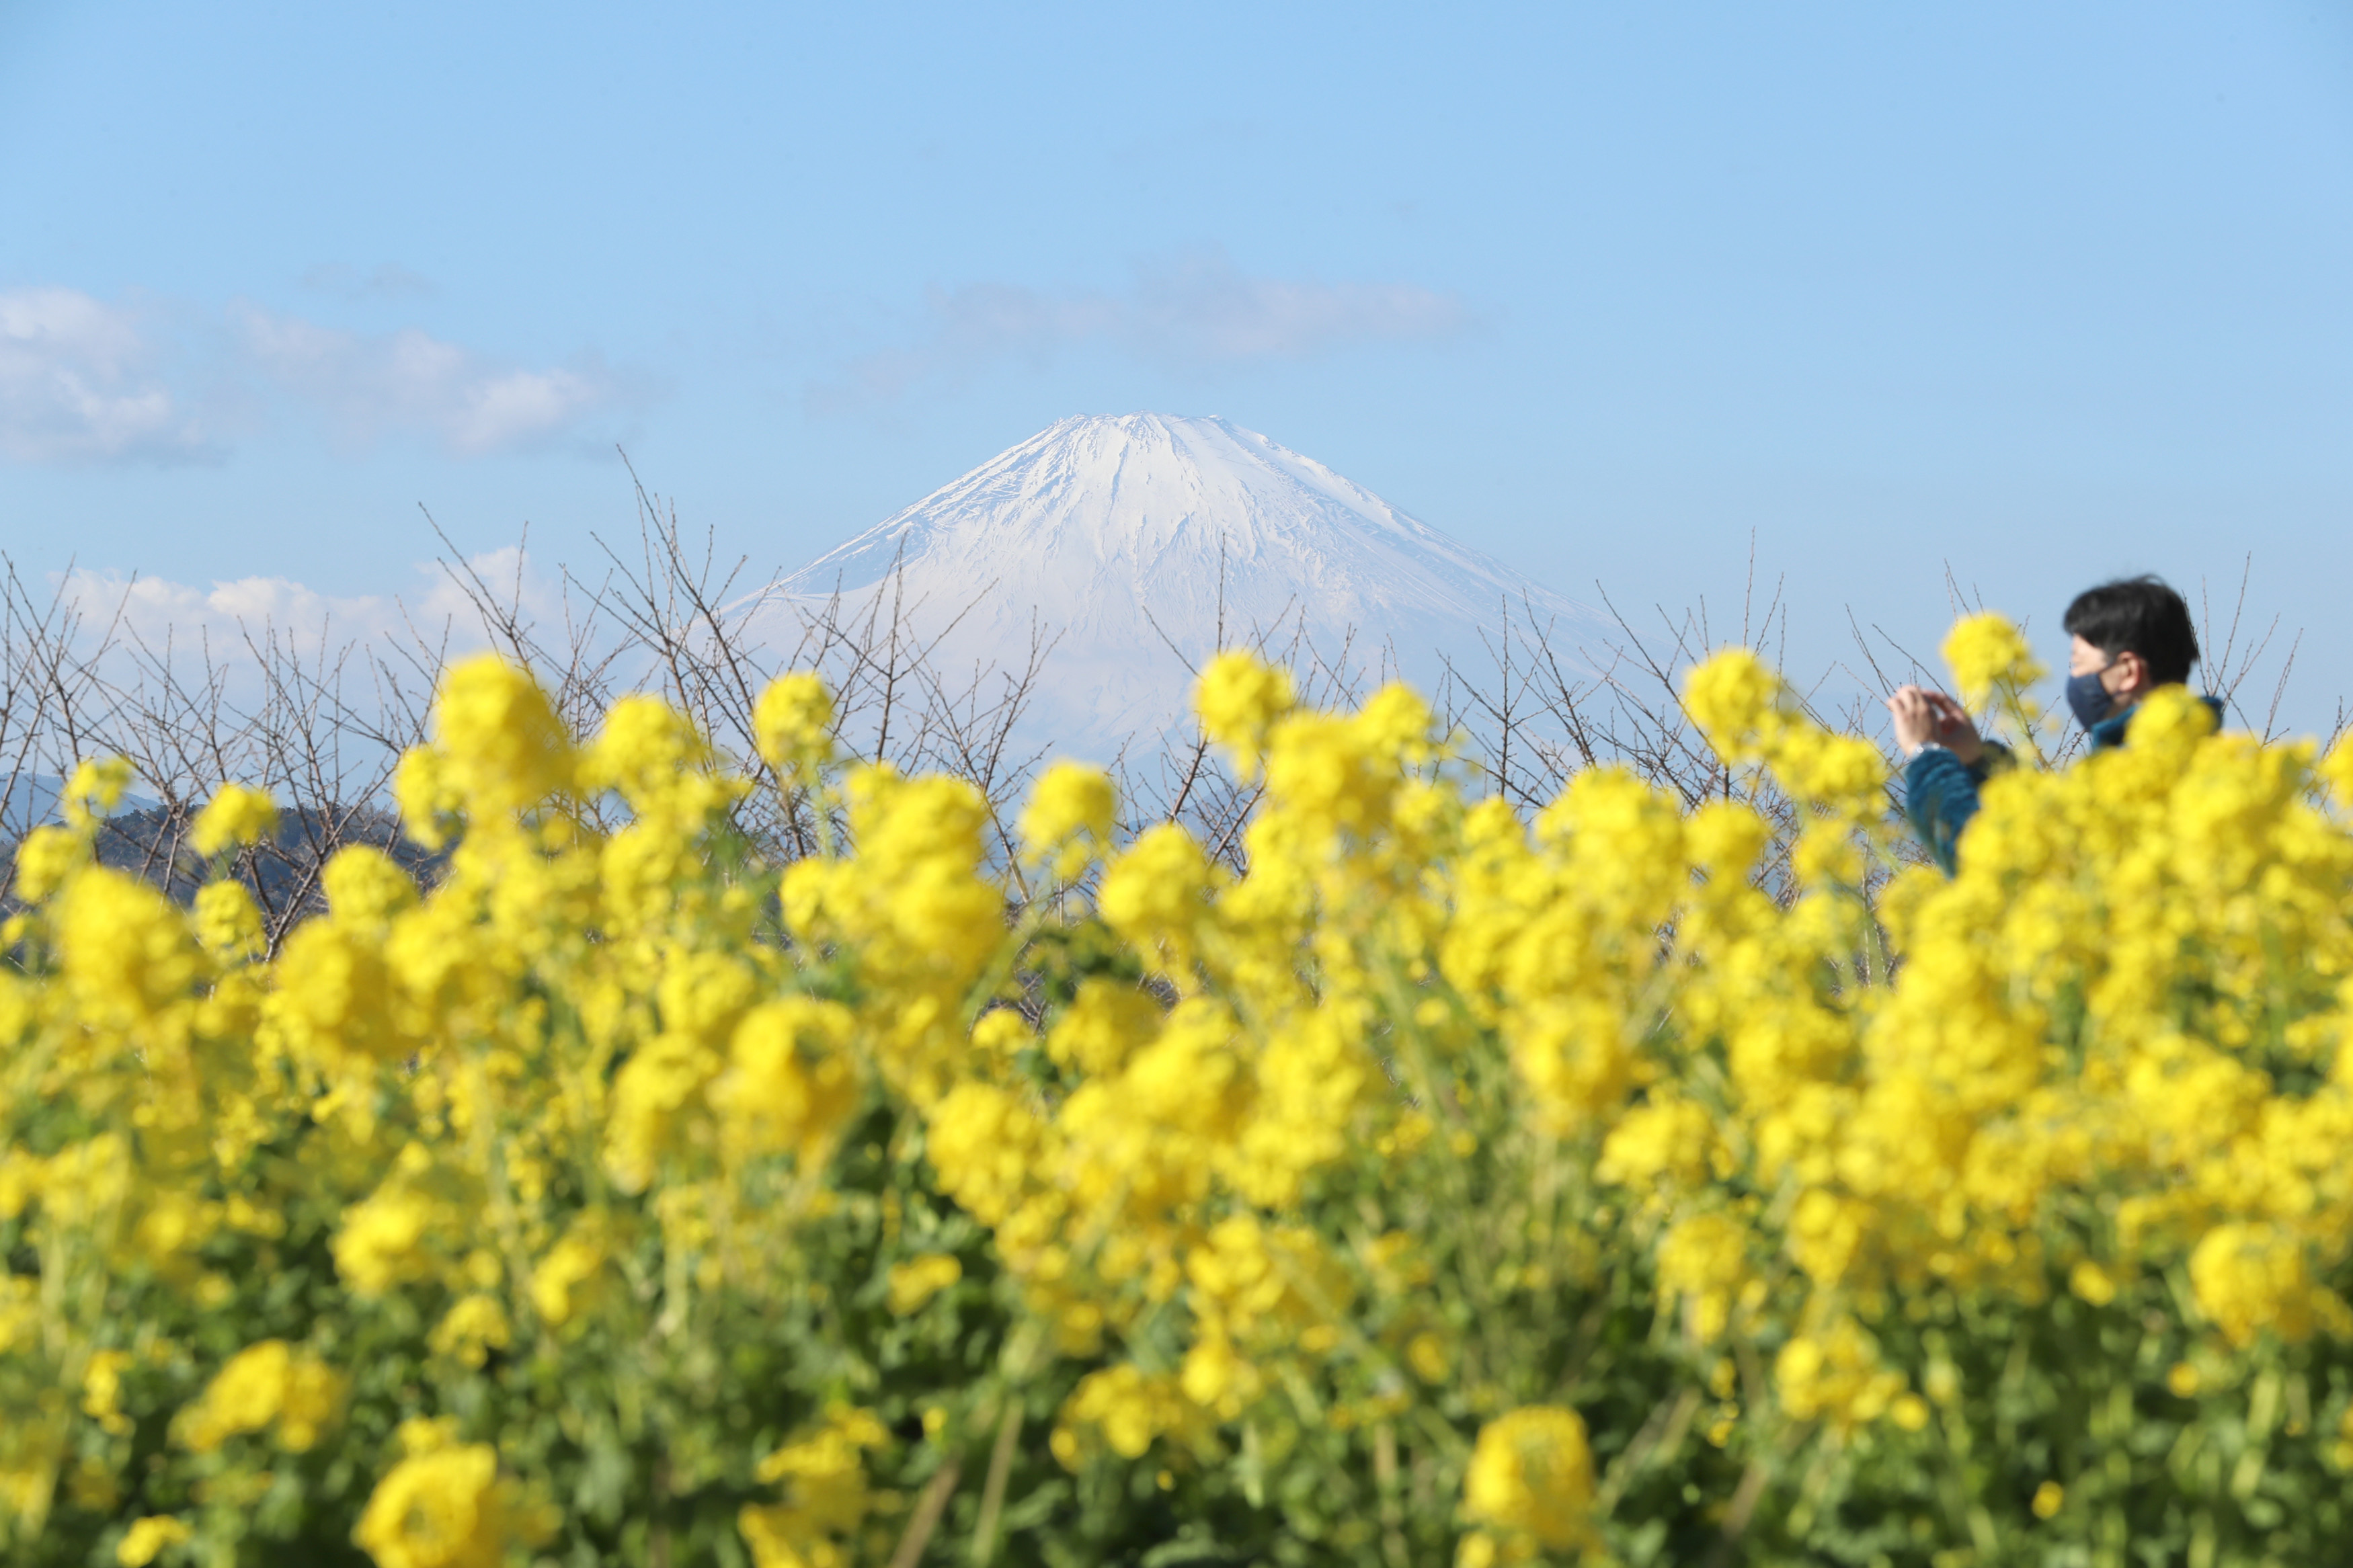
2039 293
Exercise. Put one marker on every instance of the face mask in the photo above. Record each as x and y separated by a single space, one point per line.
2088 700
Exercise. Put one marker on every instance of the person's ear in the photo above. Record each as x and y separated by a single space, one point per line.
2133 673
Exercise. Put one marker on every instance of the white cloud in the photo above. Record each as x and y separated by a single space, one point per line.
1198 307
1191 310
78 384
224 617
85 382
370 385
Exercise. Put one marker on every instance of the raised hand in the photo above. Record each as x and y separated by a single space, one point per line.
1923 716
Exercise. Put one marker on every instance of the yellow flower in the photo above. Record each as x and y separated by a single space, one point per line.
2250 1277
239 815
1238 698
1069 817
502 746
1987 654
147 1538
1130 1407
261 1383
826 1496
438 1509
1633 1023
919 1280
101 1383
226 922
421 1435
2049 1498
653 755
95 789
1532 1472
789 1085
792 724
364 887
472 1327
47 857
313 1394
1705 1258
381 1240
1103 1024
2335 770
1666 1138
1735 700
127 952
2091 1282
562 1279
1158 894
427 793
1834 1373
1002 1032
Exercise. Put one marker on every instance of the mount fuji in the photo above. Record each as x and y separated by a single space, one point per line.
1141 543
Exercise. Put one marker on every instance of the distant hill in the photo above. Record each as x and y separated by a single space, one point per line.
28 800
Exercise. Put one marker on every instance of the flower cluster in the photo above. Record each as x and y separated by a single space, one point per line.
1630 1179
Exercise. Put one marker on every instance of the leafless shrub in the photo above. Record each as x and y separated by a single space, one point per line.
321 723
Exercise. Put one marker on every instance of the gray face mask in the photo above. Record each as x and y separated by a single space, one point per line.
2087 699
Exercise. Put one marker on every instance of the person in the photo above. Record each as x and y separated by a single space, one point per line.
2128 638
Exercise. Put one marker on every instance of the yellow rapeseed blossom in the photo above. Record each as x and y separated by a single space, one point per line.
1238 698
1704 1257
501 743
264 1384
94 790
239 815
1069 818
438 1509
562 1280
1532 1473
102 1384
472 1327
227 921
2249 1279
793 723
147 1538
1987 654
827 1498
1317 1163
127 952
1129 1409
45 858
2091 1282
919 1280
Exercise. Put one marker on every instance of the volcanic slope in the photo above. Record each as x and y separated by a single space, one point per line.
1140 544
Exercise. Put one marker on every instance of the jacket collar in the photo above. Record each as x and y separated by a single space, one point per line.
2110 731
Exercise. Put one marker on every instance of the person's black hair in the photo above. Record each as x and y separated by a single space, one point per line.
2142 615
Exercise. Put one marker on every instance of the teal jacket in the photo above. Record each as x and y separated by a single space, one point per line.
1940 793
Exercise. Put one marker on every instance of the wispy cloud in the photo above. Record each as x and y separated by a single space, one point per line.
79 385
226 617
1195 310
369 385
386 281
82 382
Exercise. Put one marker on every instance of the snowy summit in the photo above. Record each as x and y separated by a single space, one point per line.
1140 544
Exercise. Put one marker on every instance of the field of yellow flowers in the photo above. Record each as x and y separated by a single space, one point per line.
1452 1188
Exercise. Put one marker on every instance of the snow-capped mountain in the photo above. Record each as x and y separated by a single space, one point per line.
1143 542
